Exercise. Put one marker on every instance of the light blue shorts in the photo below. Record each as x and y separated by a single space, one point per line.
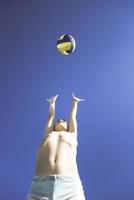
56 187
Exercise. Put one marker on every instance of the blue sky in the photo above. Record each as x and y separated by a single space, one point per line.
101 70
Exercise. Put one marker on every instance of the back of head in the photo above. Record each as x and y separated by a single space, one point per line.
61 125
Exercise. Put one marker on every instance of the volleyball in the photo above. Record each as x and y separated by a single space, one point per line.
66 44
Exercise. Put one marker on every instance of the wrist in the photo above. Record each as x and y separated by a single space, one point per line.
52 104
75 101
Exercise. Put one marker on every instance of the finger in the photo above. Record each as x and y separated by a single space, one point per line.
56 96
82 99
73 94
48 100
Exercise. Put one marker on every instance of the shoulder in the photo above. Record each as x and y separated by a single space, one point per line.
72 132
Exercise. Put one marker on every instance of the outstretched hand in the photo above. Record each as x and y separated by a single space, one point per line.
52 99
77 99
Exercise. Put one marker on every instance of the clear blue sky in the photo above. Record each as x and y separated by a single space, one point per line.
101 70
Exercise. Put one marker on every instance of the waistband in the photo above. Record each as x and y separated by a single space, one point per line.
55 177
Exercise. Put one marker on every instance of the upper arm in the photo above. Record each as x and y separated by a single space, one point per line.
50 124
73 124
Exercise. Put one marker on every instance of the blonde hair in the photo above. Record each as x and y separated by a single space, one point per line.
64 121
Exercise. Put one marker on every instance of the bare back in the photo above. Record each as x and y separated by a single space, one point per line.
57 154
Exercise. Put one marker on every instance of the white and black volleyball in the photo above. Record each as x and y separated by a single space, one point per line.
66 44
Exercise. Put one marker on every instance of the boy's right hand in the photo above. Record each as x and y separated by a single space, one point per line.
52 99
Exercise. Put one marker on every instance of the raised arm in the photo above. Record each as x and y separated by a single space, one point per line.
73 113
50 123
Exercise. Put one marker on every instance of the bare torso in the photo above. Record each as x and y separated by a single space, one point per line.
57 154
